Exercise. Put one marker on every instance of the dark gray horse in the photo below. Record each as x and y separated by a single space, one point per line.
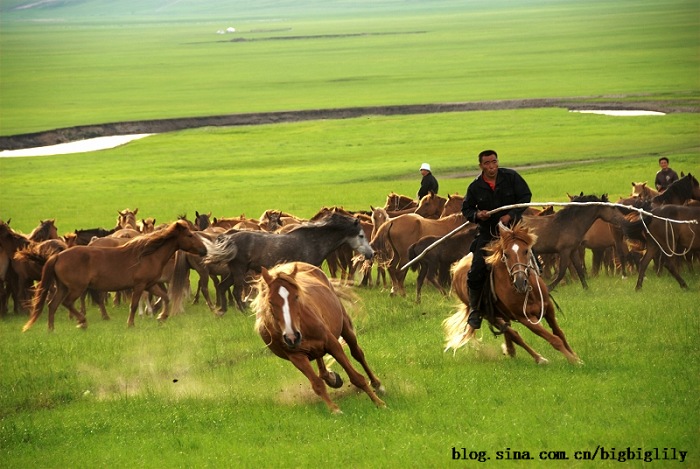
311 242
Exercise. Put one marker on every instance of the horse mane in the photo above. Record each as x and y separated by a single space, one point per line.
331 219
148 244
39 252
519 232
261 303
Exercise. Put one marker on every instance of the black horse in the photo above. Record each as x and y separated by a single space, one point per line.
310 242
83 237
682 190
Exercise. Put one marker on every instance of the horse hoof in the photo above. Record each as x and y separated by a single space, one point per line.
379 389
82 325
543 361
337 381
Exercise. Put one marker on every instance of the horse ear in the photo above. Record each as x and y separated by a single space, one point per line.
136 211
196 214
265 275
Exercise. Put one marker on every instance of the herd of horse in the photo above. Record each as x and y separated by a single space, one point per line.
275 260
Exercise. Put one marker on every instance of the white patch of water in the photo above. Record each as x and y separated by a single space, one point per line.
81 146
623 113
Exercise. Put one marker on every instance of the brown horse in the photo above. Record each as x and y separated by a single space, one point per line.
45 230
10 243
137 265
668 238
563 232
127 219
453 205
431 206
300 317
397 202
147 225
608 246
435 264
395 237
202 220
642 191
519 294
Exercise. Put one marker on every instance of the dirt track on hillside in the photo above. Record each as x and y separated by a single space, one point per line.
71 134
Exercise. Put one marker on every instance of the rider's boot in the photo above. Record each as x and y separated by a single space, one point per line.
474 318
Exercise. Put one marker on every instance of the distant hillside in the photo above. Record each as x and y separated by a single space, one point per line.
171 10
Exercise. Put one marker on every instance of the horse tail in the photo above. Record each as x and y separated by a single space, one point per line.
459 271
179 285
633 227
458 332
222 249
48 278
412 254
395 254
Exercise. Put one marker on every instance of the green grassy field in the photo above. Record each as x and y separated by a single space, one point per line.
60 68
108 396
354 163
202 391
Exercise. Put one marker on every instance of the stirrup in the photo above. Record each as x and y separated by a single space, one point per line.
474 319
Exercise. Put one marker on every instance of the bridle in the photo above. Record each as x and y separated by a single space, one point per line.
519 268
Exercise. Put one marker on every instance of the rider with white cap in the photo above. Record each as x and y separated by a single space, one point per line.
428 183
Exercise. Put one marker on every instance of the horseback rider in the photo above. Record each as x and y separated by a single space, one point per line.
494 188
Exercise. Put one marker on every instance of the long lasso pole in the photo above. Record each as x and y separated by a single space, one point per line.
541 204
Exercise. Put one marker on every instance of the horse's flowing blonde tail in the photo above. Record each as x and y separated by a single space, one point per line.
458 332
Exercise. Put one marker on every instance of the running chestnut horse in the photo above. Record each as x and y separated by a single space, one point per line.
137 265
517 293
300 317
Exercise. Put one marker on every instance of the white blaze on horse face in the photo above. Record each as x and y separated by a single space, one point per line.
284 293
515 248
